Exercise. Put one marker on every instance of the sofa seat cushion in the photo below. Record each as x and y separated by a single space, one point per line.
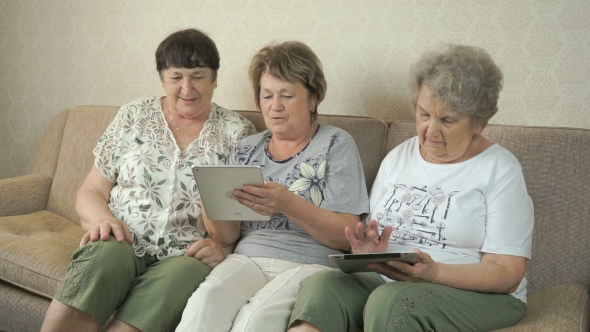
559 308
35 250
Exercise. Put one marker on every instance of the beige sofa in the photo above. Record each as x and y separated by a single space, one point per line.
39 228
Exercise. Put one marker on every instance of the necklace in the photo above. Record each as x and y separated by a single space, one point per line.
172 121
301 146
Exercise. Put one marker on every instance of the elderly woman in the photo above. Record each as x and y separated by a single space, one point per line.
144 253
314 188
453 197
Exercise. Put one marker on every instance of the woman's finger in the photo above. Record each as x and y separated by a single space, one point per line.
351 237
105 231
94 233
85 239
118 232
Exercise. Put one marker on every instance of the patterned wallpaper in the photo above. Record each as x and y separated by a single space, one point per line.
56 54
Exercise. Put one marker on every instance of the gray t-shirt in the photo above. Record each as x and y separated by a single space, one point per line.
327 172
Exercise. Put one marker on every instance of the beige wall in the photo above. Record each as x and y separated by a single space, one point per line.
56 54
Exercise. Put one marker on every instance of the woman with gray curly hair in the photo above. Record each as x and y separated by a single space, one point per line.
468 219
314 188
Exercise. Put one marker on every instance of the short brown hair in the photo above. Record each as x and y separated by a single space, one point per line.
293 62
188 48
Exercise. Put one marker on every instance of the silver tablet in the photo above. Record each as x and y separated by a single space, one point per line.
357 262
216 186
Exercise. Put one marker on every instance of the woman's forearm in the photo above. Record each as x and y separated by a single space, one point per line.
92 199
325 226
91 208
489 276
226 233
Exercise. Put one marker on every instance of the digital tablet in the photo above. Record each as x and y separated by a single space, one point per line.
216 186
357 262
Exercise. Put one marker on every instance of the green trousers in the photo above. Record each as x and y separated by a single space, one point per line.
334 301
147 293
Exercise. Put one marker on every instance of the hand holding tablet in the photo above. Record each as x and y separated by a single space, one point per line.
357 262
216 186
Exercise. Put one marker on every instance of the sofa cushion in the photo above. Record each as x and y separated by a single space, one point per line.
35 250
559 308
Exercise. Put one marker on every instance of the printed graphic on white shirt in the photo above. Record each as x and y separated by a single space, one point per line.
417 214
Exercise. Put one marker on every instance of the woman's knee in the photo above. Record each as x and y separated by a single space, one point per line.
327 281
186 270
109 258
174 272
399 304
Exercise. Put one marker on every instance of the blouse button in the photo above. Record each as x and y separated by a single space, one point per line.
167 210
171 187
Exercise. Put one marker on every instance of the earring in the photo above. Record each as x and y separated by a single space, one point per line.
215 87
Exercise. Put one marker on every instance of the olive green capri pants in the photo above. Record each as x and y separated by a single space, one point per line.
147 293
334 301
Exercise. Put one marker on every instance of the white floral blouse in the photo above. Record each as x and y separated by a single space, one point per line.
155 193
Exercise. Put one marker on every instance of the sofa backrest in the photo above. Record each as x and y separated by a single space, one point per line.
66 151
368 133
555 166
82 128
554 162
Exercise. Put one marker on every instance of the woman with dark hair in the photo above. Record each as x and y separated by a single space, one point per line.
314 188
145 250
472 254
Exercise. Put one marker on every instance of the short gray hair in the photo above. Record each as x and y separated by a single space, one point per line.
464 78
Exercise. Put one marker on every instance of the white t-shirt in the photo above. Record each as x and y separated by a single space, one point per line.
454 212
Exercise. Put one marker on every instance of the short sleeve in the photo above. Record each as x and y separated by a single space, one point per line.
114 143
510 214
345 187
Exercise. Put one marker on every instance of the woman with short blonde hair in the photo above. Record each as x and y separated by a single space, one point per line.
314 188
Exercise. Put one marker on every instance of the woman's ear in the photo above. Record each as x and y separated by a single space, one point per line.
478 126
313 102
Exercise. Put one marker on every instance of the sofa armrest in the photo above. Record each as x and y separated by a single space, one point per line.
559 308
24 194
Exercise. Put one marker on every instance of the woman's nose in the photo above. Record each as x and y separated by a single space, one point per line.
433 128
186 86
276 104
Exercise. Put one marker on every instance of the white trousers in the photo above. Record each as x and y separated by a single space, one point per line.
246 294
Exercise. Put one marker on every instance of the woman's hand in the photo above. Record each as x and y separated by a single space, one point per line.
266 201
207 251
95 217
424 270
323 225
103 229
366 241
